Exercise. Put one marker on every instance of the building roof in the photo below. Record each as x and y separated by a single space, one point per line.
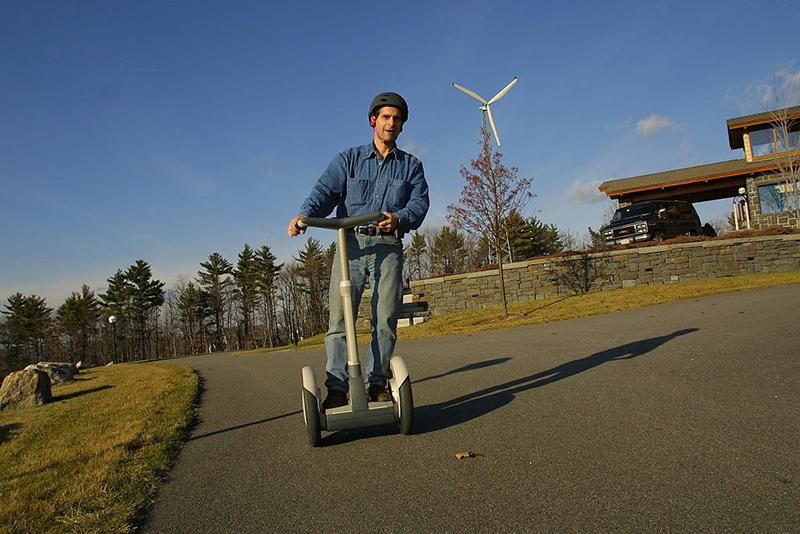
688 175
739 125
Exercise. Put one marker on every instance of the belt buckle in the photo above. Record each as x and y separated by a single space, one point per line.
367 229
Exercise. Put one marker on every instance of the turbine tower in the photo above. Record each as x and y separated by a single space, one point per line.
486 108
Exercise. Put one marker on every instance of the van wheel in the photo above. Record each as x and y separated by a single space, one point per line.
658 236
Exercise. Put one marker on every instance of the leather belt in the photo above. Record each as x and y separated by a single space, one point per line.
373 230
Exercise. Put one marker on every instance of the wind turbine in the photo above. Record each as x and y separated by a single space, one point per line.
486 107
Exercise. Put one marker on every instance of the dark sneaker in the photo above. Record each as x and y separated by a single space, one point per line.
335 399
378 393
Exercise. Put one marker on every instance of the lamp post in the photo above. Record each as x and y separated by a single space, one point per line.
741 211
112 319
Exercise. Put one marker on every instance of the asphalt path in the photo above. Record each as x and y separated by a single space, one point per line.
680 417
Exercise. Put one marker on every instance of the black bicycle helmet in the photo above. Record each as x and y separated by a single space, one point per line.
389 99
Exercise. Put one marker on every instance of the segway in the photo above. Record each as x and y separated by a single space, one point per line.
358 412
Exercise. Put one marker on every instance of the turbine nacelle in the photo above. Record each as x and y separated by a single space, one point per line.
486 107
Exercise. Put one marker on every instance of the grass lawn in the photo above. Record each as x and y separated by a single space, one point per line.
91 459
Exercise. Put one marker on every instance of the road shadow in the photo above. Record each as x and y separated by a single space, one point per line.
245 425
59 398
450 413
353 434
6 431
470 367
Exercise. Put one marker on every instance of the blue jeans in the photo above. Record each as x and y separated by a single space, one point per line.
378 259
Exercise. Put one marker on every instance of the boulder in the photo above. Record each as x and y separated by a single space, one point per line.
59 372
30 387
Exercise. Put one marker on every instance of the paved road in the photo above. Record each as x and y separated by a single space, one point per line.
680 417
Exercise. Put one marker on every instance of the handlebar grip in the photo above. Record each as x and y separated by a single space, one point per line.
341 222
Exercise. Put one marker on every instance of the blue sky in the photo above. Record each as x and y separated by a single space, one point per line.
170 130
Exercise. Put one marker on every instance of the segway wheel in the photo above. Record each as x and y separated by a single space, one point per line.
311 416
405 406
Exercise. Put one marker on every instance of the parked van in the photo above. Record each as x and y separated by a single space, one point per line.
654 220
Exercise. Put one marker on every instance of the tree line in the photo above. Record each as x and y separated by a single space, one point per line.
256 302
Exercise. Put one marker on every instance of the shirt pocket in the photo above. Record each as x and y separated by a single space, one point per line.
397 194
357 192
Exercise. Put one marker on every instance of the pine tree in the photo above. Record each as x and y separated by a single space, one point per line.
78 316
193 311
116 301
28 320
146 294
267 273
15 329
214 280
529 238
313 273
447 252
246 277
415 256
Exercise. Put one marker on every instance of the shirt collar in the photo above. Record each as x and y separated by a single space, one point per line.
369 151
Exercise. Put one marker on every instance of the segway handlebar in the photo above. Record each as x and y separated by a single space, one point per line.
341 222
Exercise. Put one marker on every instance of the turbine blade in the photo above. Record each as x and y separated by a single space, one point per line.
491 123
470 93
502 93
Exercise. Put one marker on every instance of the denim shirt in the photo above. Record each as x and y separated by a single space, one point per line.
357 182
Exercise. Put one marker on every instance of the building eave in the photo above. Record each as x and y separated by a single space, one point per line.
686 176
739 125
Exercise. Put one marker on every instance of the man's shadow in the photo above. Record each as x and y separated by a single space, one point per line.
453 412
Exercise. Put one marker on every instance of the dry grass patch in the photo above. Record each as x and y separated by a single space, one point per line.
91 459
573 307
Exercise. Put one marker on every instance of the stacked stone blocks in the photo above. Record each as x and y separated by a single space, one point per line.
604 271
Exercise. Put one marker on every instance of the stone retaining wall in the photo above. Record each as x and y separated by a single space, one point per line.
601 271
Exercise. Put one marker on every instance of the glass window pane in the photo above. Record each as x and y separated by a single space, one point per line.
762 142
776 198
771 197
794 140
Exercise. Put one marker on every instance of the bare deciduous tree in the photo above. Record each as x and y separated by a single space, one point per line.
786 148
491 192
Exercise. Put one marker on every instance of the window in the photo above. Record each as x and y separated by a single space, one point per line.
774 197
762 142
770 141
634 210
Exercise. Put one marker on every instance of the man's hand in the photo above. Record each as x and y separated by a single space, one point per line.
390 223
294 229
